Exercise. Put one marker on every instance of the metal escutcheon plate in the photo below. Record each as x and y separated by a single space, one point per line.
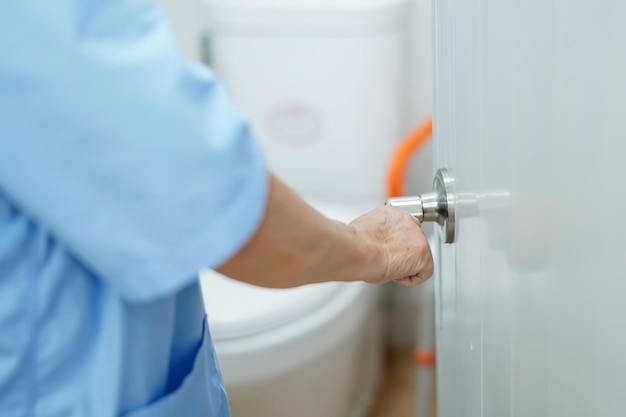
443 186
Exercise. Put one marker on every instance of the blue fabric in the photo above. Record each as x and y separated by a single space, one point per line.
124 169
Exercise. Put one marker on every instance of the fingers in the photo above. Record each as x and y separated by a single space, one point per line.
427 269
418 259
411 281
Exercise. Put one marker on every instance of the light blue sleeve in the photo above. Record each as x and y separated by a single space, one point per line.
133 158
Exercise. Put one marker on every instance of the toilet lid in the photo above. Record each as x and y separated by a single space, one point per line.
236 309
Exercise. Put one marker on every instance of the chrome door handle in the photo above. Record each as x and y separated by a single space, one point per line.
437 206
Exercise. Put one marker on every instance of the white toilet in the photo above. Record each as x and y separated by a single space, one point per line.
321 81
308 352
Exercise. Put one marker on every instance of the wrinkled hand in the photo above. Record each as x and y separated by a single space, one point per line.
406 255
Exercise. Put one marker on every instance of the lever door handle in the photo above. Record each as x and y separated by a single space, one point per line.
437 206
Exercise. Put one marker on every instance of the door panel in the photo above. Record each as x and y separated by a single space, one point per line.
530 109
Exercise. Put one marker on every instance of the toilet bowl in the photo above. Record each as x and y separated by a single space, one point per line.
307 351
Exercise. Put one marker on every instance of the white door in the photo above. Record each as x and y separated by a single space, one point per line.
530 119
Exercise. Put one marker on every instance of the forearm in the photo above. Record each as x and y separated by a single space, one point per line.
296 245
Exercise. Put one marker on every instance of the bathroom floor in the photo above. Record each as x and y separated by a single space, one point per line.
396 393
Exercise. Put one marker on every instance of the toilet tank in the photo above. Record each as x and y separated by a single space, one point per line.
321 82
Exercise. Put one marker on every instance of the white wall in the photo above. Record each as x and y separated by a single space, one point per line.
420 88
185 19
405 302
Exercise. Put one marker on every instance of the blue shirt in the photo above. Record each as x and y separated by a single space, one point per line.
124 169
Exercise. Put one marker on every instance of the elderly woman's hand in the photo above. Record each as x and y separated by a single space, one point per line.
406 255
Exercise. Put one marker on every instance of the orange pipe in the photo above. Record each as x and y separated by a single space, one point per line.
402 156
424 357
